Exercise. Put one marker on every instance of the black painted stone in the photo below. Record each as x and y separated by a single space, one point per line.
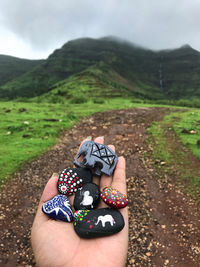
72 179
98 222
87 197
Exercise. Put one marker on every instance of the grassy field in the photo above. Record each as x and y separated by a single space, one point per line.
26 130
173 158
187 127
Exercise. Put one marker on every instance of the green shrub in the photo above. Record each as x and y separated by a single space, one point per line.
56 99
78 100
136 100
71 116
99 101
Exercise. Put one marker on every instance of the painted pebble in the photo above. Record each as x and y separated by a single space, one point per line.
58 208
72 179
87 198
98 222
112 197
100 158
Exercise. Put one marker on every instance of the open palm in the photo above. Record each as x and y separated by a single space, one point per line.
55 243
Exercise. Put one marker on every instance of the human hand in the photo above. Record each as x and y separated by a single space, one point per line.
55 243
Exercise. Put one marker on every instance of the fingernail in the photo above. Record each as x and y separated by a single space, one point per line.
55 174
101 136
89 137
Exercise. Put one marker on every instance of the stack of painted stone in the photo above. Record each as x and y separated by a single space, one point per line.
88 221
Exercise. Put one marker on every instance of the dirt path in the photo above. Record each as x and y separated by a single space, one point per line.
164 223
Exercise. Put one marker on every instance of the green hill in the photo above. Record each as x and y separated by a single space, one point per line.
12 67
97 81
181 72
111 67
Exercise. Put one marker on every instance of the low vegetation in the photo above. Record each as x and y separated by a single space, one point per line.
187 127
184 127
27 130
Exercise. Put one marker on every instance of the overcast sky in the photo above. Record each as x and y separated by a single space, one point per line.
34 28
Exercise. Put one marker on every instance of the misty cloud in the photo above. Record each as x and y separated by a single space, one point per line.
44 25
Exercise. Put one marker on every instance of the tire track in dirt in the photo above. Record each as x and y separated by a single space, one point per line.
164 223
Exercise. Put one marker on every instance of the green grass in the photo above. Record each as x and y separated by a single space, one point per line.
38 133
189 121
160 141
168 150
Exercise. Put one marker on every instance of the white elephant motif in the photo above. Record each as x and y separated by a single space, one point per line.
104 219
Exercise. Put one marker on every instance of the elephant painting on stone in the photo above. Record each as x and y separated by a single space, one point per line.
104 219
98 157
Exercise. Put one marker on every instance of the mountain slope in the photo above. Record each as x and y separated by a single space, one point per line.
97 81
12 67
180 69
129 61
70 59
168 74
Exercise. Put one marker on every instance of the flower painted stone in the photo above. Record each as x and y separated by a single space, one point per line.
72 179
113 198
87 197
98 222
58 208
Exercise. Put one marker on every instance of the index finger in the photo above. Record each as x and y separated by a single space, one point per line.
119 183
86 139
119 177
49 192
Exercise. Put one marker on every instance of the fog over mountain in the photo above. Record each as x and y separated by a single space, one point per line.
33 29
106 67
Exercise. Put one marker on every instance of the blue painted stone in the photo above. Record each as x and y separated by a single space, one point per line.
58 208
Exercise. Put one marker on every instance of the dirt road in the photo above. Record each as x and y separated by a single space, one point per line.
164 222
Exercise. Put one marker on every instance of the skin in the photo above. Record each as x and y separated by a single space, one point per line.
56 244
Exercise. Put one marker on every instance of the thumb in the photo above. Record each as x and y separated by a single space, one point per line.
49 192
50 189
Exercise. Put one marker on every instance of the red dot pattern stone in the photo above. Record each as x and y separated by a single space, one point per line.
69 182
113 198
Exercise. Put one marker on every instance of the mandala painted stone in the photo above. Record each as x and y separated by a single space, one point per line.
88 197
72 179
58 208
112 197
98 222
